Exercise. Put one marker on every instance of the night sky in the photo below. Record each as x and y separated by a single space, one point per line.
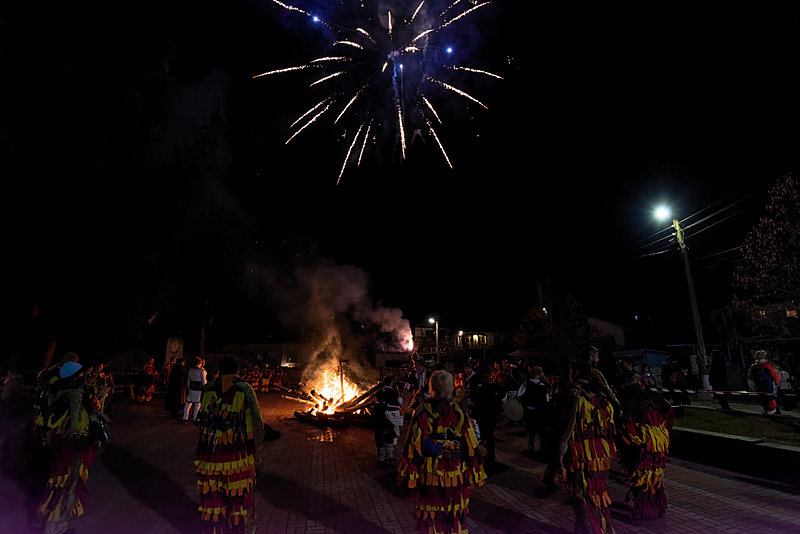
116 208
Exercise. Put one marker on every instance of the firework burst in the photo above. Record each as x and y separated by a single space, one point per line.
382 72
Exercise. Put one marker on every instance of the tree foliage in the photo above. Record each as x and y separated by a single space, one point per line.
553 330
767 280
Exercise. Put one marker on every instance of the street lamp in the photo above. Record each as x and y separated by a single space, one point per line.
435 322
663 213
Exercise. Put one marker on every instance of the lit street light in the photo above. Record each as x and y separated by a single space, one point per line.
663 213
435 322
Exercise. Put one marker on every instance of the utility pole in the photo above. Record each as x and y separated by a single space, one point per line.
698 328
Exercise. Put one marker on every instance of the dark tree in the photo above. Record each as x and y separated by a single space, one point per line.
767 280
553 330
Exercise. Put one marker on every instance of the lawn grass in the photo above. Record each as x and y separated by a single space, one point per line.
773 429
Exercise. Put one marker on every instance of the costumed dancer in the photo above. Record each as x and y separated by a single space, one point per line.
64 429
645 422
231 444
441 460
586 449
388 418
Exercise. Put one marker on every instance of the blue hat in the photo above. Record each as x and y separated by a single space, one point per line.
69 369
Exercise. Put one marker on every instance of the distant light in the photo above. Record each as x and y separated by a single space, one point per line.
449 49
431 320
315 18
662 213
401 66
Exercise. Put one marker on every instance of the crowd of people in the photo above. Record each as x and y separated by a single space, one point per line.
579 423
263 379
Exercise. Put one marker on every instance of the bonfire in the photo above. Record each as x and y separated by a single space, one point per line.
333 397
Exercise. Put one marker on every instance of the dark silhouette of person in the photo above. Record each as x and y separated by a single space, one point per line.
718 376
175 397
486 396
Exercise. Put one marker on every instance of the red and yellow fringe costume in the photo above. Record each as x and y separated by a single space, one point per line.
441 484
71 454
648 446
589 449
225 464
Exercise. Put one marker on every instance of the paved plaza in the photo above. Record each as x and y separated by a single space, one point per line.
327 481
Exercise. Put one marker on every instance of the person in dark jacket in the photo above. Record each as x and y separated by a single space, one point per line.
175 397
719 379
535 401
486 397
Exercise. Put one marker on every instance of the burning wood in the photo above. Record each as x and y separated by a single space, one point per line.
334 399
362 401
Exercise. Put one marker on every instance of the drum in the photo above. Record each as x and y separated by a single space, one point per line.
512 408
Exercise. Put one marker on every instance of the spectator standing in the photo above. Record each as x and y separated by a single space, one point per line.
276 378
146 382
150 367
175 397
418 378
98 387
165 372
535 402
718 376
387 420
648 378
693 379
195 382
486 399
556 424
676 374
766 380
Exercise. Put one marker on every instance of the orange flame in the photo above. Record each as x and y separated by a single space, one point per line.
329 383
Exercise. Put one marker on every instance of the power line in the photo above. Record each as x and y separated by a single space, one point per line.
717 222
664 250
728 206
721 252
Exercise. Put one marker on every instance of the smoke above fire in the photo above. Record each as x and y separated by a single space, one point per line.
332 307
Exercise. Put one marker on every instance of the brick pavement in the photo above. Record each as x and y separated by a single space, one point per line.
327 481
